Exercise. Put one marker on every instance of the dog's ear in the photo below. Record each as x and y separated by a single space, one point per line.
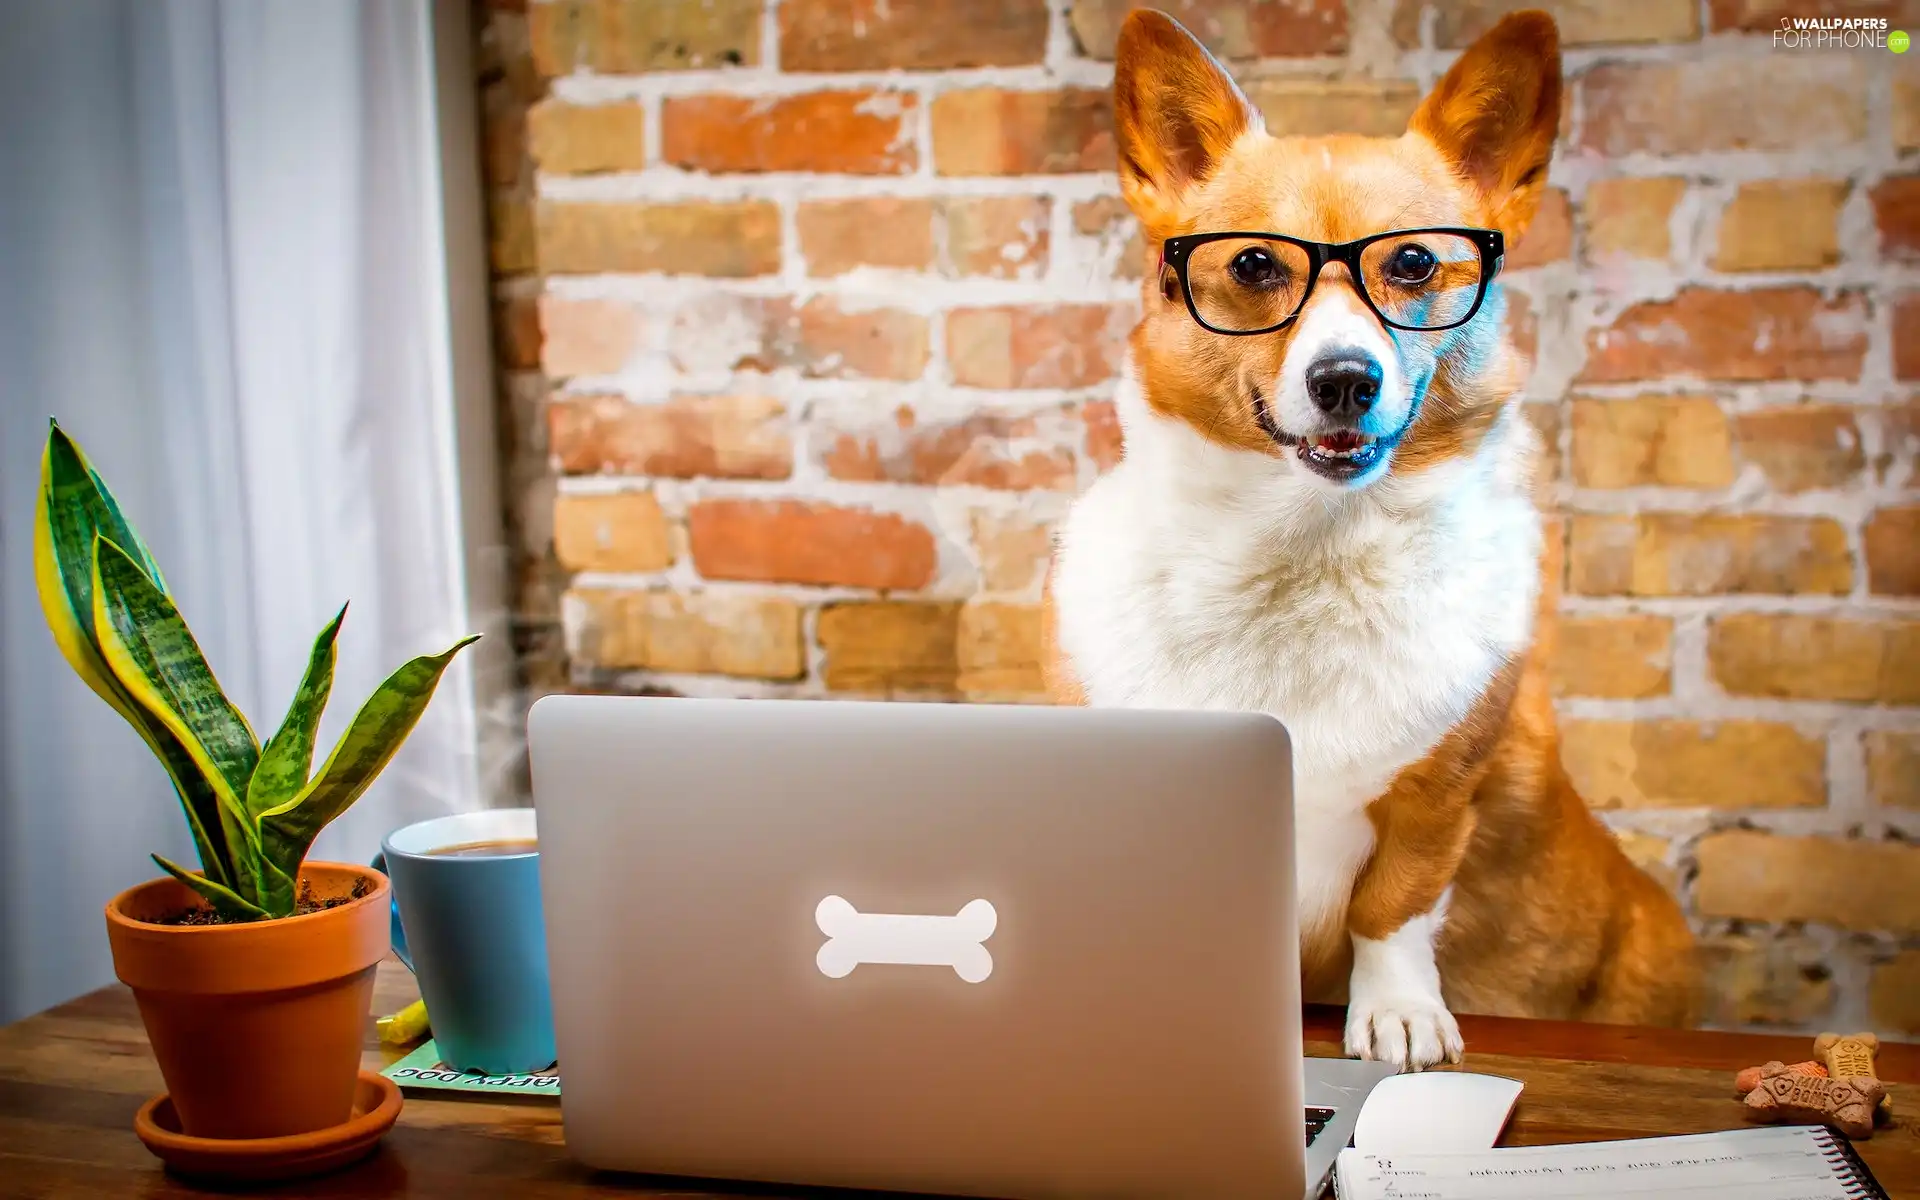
1496 113
1176 111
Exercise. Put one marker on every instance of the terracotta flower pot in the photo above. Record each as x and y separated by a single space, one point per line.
257 1027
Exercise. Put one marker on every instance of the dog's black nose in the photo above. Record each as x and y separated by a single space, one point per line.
1344 384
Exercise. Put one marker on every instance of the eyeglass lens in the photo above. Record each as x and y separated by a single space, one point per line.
1420 280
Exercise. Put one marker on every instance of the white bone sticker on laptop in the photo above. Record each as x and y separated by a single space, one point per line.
854 937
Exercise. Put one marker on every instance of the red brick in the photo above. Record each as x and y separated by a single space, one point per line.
503 56
910 35
786 541
503 136
845 133
618 531
1894 995
1643 441
821 339
984 449
1104 440
1896 210
1687 764
1625 657
1065 346
1705 554
729 437
1763 980
1906 336
1800 99
510 233
1906 114
723 239
1317 107
838 236
1802 448
572 139
1897 461
1852 883
1793 656
620 37
1763 16
890 647
827 342
1631 218
516 332
1782 225
1550 237
998 237
1012 550
1767 334
1893 552
719 332
1232 29
999 651
1460 22
1107 220
704 633
1893 768
990 131
586 337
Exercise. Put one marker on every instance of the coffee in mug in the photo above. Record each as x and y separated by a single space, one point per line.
490 849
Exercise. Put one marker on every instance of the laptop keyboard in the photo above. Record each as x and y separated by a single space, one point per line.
1317 1119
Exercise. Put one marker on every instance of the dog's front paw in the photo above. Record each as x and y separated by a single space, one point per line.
1411 1032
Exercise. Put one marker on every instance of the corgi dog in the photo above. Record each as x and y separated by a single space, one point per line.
1324 511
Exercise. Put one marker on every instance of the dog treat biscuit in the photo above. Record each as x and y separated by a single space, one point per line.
1851 1055
1845 1104
1750 1078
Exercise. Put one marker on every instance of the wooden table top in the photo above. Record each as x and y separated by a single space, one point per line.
71 1078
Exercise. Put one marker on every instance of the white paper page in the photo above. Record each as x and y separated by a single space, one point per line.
1762 1164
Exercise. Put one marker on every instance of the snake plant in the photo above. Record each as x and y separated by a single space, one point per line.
254 809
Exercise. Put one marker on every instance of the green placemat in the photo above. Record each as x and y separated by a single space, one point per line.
423 1069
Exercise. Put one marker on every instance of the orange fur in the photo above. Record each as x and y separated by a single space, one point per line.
1547 915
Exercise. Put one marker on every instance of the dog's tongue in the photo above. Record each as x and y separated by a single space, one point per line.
1346 439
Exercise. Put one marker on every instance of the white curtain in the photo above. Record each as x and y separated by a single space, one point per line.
226 230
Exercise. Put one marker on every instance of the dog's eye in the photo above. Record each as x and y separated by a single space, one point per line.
1254 267
1411 263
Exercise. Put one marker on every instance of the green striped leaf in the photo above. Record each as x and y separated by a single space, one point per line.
287 758
150 650
277 891
223 899
74 508
363 751
78 509
197 799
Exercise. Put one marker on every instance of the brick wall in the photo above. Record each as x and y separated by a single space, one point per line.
808 311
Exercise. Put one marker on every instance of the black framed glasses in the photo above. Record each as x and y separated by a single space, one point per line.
1425 280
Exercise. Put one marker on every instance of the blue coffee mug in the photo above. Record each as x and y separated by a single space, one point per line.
470 927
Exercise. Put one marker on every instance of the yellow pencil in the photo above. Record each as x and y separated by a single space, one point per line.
407 1025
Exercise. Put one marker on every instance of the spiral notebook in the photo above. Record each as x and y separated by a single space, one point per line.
1775 1162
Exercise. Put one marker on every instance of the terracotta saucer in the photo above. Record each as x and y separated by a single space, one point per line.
376 1105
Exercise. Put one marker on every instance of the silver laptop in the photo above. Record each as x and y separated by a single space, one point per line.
1017 952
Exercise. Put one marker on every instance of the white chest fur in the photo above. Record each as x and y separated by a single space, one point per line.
1193 576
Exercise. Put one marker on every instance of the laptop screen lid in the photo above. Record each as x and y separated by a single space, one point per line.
975 950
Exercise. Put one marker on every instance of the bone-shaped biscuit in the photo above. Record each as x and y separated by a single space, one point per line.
1749 1078
854 937
1851 1055
1846 1104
